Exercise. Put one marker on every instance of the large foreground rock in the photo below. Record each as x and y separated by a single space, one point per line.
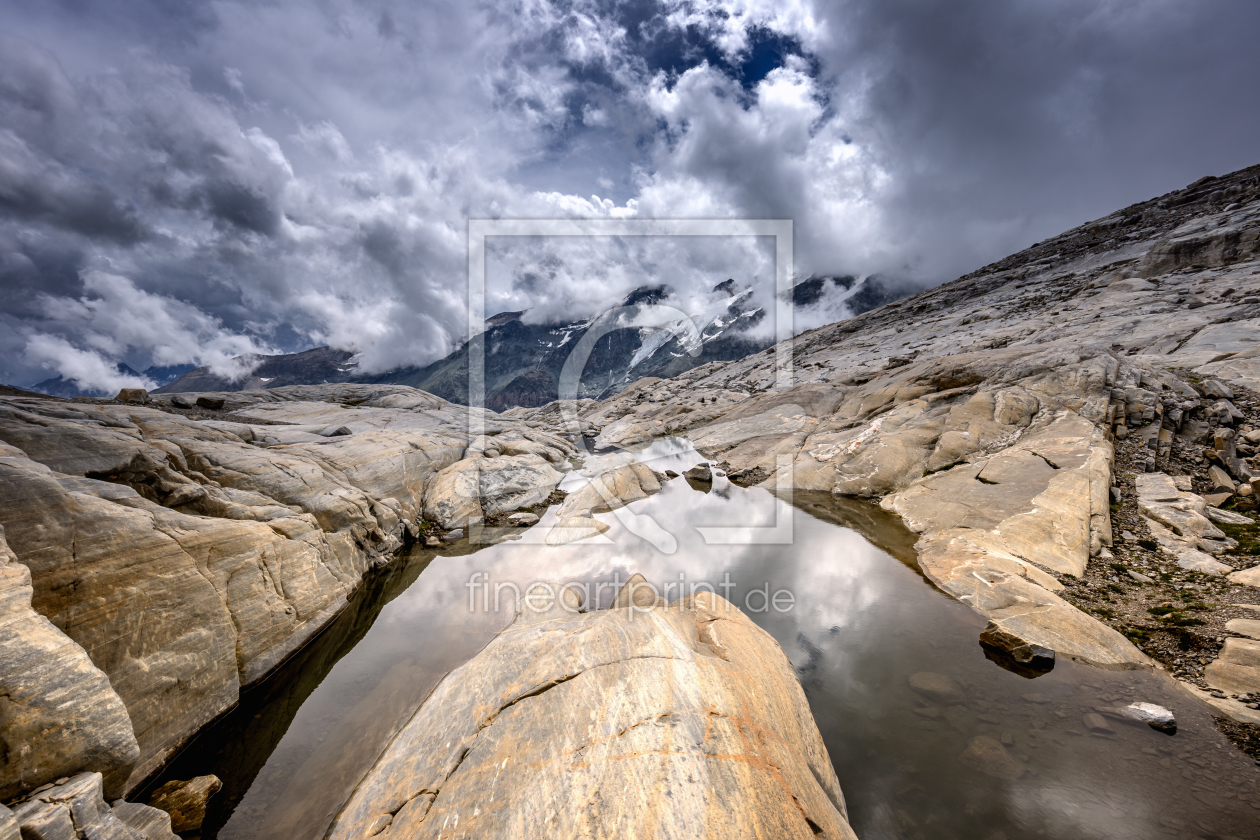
684 721
185 558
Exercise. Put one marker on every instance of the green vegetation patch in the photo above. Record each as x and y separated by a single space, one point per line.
1248 537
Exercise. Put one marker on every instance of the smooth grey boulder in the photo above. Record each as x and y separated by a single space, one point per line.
680 722
188 557
478 487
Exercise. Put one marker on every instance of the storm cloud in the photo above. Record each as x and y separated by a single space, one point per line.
182 183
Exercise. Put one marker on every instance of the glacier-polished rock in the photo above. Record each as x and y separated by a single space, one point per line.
679 721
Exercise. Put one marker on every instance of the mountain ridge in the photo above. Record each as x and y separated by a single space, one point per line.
524 360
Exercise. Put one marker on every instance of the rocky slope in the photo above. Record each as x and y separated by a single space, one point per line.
986 412
157 560
676 721
318 366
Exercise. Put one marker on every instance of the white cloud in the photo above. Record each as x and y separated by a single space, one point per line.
114 319
328 198
87 369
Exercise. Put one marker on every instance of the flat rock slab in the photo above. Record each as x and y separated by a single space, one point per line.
1247 577
1180 523
1237 669
683 721
1244 627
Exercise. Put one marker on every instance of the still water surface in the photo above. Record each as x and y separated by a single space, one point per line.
864 620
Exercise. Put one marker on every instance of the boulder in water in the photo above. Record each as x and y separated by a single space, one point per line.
610 724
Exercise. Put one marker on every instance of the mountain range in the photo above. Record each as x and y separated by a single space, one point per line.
59 386
524 361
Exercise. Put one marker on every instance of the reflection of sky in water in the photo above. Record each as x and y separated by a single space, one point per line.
862 623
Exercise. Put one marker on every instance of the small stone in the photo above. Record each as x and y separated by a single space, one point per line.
523 519
938 688
1097 725
1220 480
1228 517
1127 536
1116 498
1139 577
1216 389
1225 412
186 801
212 403
432 542
452 536
671 474
1217 499
180 401
700 472
138 396
1154 716
991 758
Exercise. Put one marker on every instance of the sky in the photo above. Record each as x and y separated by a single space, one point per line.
183 183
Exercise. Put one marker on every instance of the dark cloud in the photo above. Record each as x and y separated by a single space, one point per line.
277 175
